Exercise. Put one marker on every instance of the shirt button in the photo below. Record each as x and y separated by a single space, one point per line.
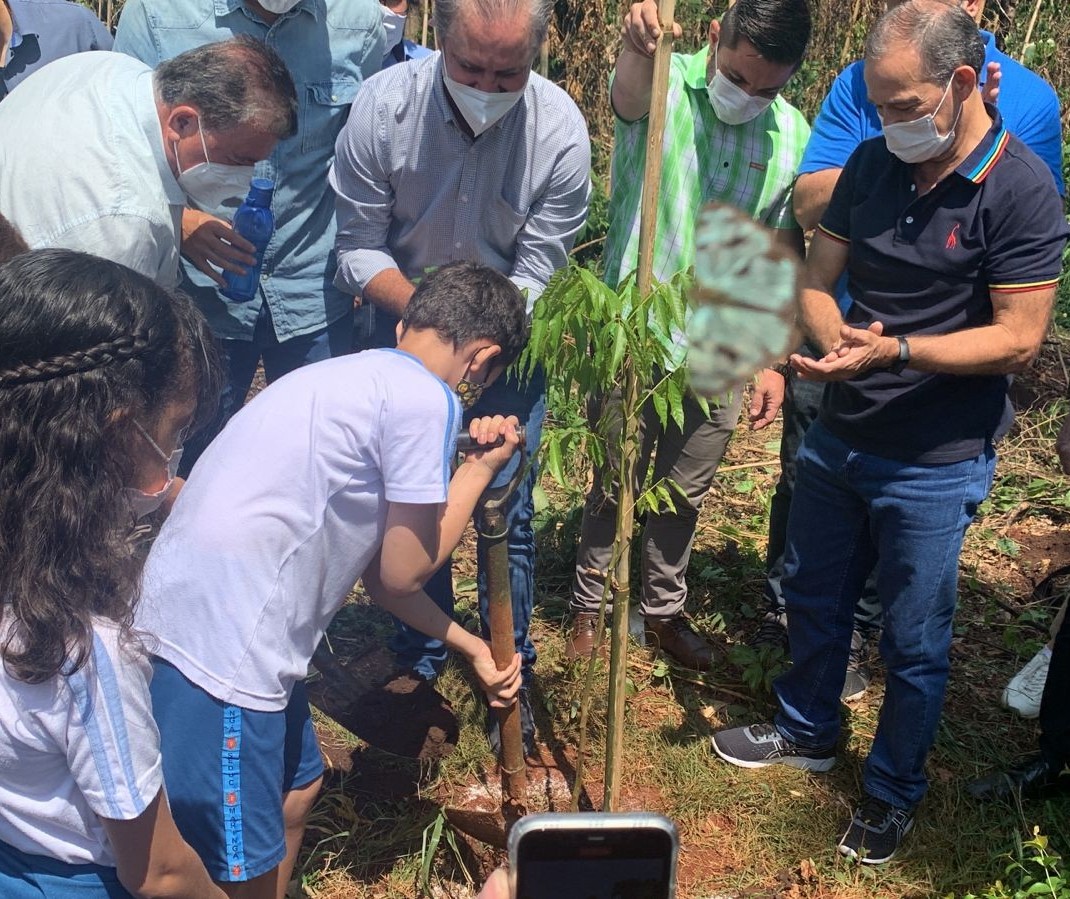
464 198
457 245
913 187
334 98
910 220
264 276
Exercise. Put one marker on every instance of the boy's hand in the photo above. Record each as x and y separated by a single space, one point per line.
487 430
502 686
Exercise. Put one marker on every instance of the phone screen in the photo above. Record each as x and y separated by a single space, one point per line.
601 863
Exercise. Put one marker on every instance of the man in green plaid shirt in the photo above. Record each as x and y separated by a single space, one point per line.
729 137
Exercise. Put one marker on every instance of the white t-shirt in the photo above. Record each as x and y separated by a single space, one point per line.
75 748
282 514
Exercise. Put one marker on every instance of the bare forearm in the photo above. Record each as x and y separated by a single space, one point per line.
631 85
390 290
811 195
187 880
821 318
419 612
989 350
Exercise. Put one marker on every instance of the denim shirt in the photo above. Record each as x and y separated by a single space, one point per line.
329 47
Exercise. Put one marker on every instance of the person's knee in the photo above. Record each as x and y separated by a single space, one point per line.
297 804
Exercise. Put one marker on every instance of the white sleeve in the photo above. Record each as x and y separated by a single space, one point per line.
113 746
418 438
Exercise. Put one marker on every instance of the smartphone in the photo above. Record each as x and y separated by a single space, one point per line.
592 855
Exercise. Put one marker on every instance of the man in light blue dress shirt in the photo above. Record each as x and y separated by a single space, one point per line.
34 33
300 315
465 155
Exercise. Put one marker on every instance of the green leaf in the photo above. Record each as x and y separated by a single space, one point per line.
1008 547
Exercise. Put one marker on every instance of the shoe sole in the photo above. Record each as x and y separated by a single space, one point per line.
854 697
866 859
818 766
1029 712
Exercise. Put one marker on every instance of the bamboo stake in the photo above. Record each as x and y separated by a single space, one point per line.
544 59
1029 30
618 652
423 31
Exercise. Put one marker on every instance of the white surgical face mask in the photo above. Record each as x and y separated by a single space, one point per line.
920 140
733 105
480 109
210 184
141 503
394 26
278 6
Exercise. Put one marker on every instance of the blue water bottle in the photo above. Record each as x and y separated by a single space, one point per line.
255 222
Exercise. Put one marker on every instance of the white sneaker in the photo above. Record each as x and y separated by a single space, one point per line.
1024 692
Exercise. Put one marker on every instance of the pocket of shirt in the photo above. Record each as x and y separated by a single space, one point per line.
324 111
505 222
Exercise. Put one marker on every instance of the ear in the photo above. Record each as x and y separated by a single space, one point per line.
974 9
963 83
399 330
715 34
181 121
483 358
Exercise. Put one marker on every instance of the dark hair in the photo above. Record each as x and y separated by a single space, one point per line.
446 11
11 242
240 81
86 347
944 35
464 301
779 29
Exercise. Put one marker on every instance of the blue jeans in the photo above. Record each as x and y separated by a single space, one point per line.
909 520
426 656
282 358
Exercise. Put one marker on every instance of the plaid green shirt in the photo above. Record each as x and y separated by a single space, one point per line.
749 166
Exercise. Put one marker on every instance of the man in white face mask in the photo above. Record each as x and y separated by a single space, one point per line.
297 316
951 233
729 137
137 146
1030 109
483 161
398 47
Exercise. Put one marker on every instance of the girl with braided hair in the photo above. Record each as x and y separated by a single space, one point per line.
101 374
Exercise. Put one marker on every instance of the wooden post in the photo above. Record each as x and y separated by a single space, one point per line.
1029 30
618 651
427 15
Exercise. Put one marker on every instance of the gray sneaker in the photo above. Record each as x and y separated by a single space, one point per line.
876 831
858 676
771 633
762 744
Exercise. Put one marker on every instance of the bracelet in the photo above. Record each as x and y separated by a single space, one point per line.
904 357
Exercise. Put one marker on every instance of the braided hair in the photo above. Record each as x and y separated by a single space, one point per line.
86 347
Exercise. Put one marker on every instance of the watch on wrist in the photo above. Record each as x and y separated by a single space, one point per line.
904 357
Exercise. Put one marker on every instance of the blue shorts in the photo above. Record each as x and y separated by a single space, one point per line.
227 768
26 876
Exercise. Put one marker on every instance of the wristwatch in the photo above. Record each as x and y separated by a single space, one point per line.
904 357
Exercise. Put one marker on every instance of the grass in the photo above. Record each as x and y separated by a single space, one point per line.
757 834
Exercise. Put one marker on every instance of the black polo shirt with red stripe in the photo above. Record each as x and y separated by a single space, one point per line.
930 265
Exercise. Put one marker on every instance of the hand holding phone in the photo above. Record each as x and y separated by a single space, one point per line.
589 855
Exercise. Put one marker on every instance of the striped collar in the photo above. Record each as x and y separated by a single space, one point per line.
977 166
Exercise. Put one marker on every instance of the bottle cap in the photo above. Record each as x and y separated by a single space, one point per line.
260 191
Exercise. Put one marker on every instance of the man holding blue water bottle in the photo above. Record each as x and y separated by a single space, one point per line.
294 314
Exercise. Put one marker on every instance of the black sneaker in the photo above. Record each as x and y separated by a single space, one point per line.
762 744
772 633
527 725
876 831
859 675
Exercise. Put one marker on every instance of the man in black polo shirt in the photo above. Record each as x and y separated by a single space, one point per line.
951 233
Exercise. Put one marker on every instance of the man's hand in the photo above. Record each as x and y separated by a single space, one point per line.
990 89
859 350
502 686
207 239
1062 445
487 430
641 30
767 399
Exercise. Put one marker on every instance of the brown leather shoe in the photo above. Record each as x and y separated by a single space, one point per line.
676 637
581 641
